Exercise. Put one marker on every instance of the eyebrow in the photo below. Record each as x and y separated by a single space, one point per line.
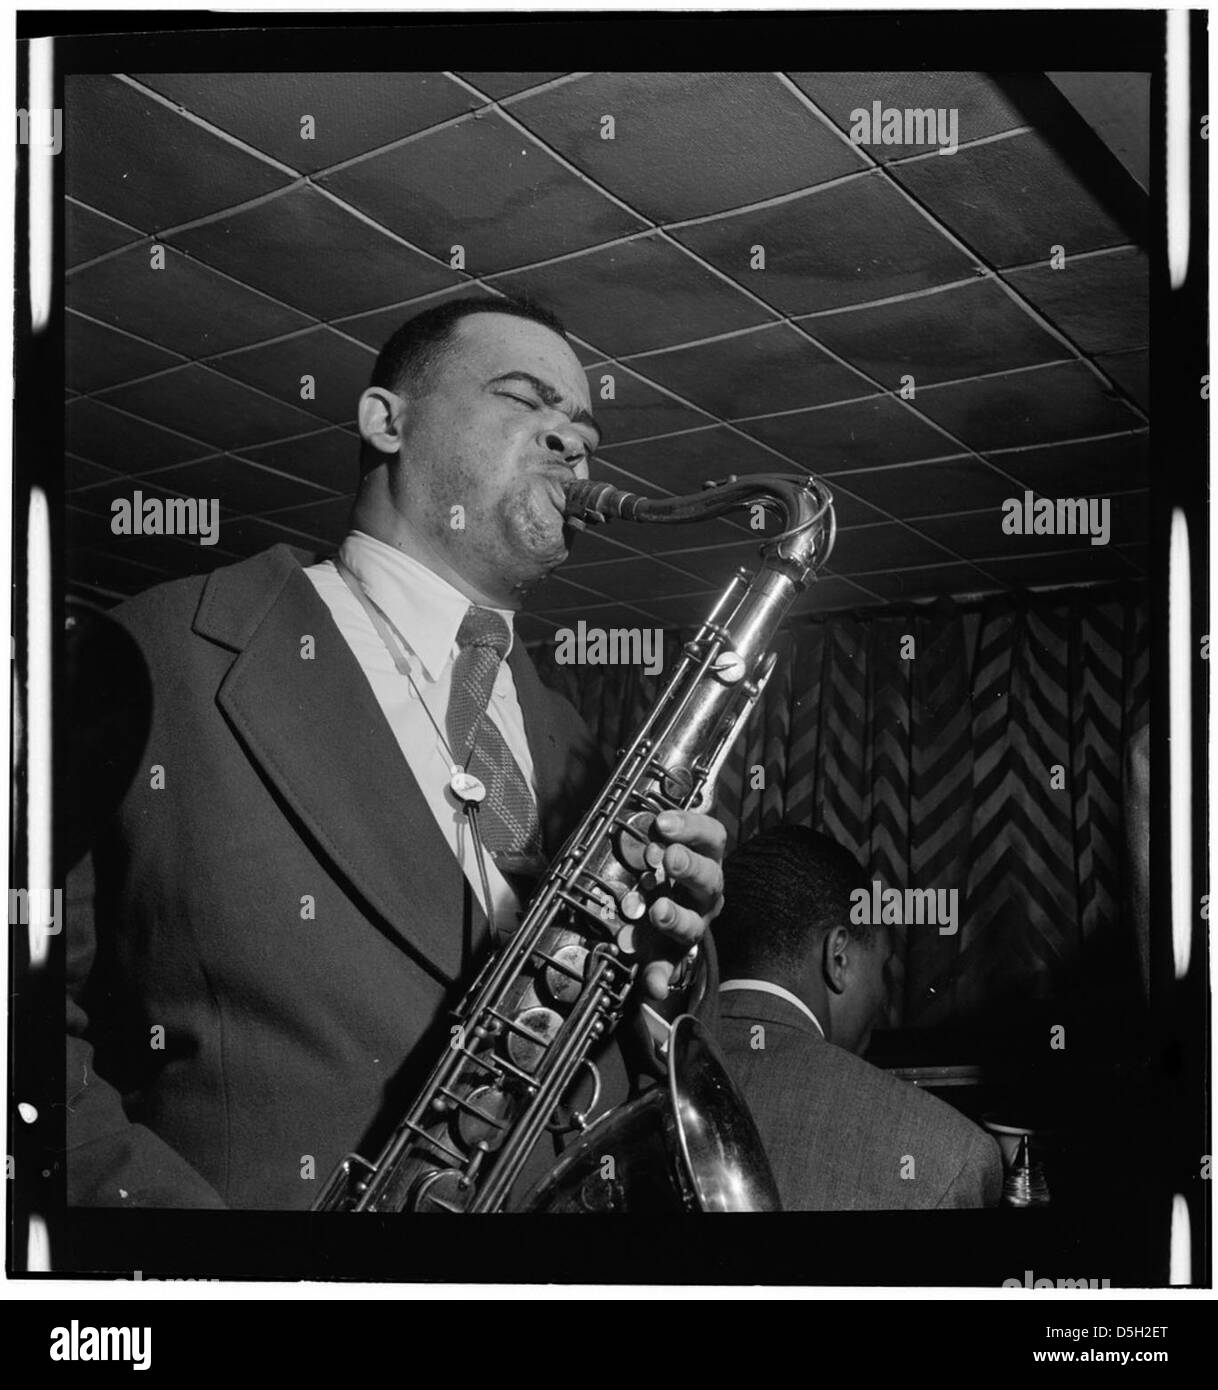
551 397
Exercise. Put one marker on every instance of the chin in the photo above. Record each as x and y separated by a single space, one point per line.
537 576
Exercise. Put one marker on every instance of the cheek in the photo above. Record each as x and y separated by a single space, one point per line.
536 524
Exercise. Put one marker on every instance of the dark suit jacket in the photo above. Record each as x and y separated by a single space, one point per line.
840 1132
262 953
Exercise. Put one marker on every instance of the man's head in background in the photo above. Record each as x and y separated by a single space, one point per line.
476 415
786 919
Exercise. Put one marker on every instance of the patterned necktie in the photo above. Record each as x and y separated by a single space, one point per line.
508 817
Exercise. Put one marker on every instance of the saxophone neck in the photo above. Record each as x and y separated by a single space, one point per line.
803 504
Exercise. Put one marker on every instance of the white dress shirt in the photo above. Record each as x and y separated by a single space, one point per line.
766 987
427 611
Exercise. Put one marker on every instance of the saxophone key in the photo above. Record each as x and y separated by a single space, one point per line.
530 1035
633 839
483 1121
447 1191
564 973
677 783
633 906
729 667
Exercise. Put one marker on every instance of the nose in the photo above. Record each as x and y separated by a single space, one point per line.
568 447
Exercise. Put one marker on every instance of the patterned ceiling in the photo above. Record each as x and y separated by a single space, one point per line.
885 268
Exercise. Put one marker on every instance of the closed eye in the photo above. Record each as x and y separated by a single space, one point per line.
522 400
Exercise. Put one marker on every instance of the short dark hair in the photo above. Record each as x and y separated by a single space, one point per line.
783 890
420 342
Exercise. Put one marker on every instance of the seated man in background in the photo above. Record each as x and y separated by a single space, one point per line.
802 989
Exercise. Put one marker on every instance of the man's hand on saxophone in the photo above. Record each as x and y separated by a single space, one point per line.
693 863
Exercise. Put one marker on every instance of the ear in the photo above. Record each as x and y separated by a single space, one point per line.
835 959
380 415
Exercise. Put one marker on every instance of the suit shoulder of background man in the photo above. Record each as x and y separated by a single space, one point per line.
843 1135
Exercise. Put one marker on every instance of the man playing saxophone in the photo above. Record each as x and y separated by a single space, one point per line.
267 935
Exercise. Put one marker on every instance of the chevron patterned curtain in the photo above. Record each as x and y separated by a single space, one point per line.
972 748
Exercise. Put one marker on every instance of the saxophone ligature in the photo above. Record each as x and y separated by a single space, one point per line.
529 1028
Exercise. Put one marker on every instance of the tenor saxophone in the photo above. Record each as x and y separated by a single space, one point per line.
526 1032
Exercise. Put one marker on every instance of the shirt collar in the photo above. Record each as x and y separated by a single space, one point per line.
765 987
426 609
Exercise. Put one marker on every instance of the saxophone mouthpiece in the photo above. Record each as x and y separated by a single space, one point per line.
587 502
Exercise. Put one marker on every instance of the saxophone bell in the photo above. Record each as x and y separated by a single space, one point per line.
688 1145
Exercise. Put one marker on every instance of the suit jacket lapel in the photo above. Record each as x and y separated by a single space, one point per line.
315 730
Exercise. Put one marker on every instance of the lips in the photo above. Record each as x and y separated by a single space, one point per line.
555 485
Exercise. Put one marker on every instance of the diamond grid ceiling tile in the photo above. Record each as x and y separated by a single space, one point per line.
378 326
350 112
769 368
306 250
1088 468
857 434
599 615
633 578
111 573
139 161
1093 566
533 629
329 458
924 489
982 195
238 485
319 361
98 356
1039 405
966 331
101 434
90 233
506 84
846 244
980 106
686 144
247 535
328 520
637 409
1131 371
176 554
80 473
686 611
905 585
979 535
885 546
829 593
184 306
598 544
91 508
198 402
561 594
482 185
1101 303
713 565
610 296
1137 556
685 462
